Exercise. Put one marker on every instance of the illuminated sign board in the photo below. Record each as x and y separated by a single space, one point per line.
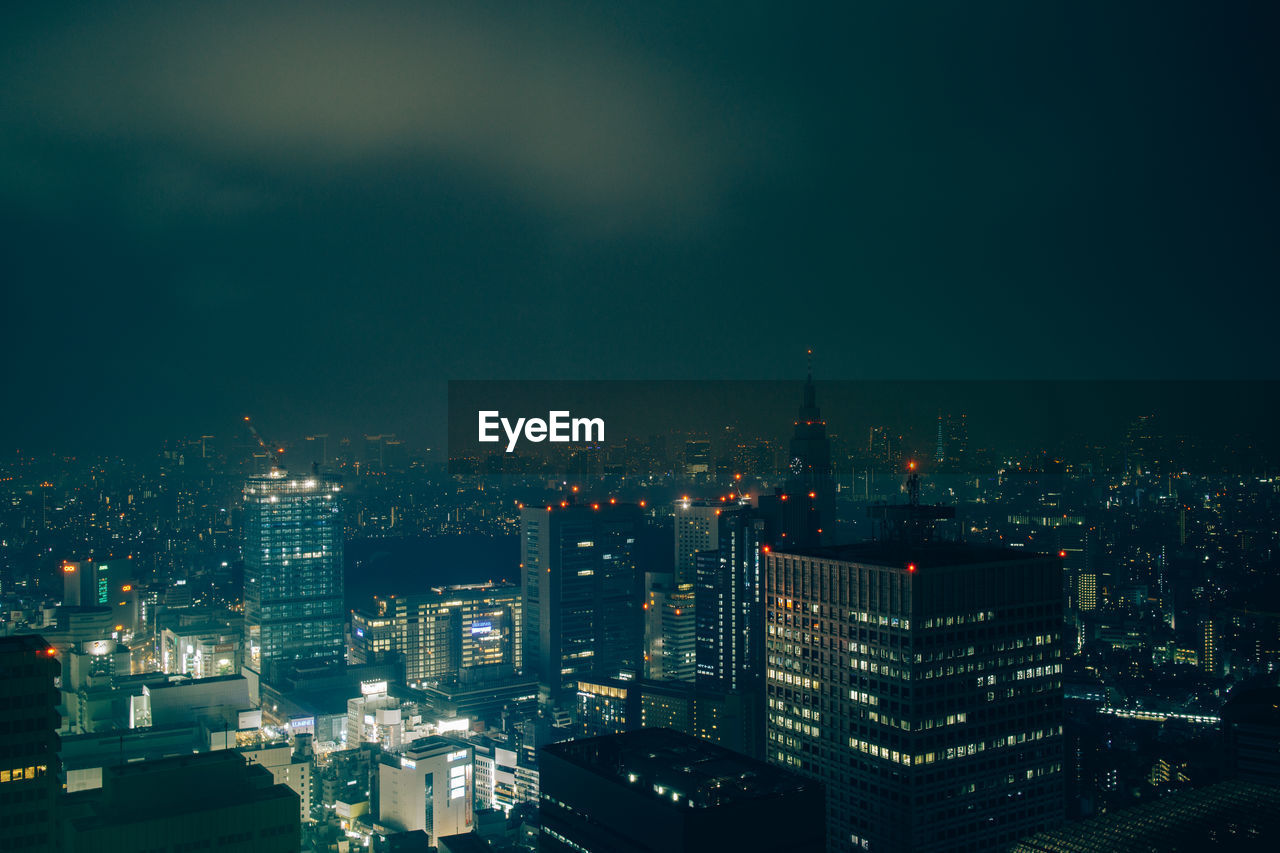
481 627
370 688
456 756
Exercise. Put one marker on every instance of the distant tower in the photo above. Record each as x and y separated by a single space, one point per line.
809 469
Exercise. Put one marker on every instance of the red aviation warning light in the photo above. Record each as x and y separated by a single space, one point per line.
911 466
911 567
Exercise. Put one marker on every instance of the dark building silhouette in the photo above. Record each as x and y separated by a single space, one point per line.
29 765
1251 732
804 511
921 681
582 593
659 790
209 801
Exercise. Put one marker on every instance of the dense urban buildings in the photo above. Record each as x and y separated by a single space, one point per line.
444 632
1163 634
293 570
659 790
922 683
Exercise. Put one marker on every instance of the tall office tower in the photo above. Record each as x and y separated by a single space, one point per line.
661 790
730 602
922 683
1210 660
952 449
809 482
443 632
428 787
29 765
697 528
669 628
582 593
293 589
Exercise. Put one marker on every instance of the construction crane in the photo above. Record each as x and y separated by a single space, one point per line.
274 456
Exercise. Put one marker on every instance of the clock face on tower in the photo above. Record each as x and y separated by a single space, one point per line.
797 466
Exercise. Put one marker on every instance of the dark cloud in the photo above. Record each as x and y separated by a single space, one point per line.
320 212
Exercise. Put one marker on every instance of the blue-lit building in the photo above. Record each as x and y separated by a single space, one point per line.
293 584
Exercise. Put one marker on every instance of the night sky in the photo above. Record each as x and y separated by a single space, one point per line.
317 214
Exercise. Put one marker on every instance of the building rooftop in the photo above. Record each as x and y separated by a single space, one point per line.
1228 816
22 643
679 769
923 554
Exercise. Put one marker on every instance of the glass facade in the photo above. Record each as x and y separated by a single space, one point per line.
293 572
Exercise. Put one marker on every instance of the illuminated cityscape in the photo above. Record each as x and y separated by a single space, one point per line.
490 428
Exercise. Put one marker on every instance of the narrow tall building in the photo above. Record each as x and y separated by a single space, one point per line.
293 575
922 683
582 593
809 482
729 594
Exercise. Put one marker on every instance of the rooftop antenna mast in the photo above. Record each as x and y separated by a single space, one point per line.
911 522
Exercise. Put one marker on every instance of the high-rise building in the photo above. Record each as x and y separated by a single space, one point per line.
669 626
1210 660
730 601
922 683
293 574
660 790
29 765
443 632
582 593
952 451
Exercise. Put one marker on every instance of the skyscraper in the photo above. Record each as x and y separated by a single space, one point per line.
730 601
922 683
293 584
581 592
952 449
